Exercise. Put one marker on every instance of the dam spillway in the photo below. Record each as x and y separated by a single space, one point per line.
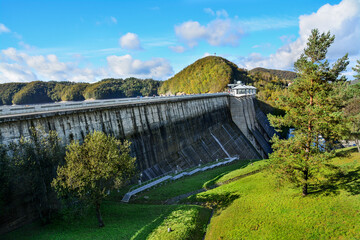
167 134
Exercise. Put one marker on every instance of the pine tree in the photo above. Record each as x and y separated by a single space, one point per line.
313 109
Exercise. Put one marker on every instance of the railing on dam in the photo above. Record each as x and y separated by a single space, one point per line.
53 107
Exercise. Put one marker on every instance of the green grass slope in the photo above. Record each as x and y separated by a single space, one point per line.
206 75
258 208
249 204
123 221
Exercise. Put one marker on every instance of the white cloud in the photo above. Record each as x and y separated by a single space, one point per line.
206 54
177 49
14 72
3 29
218 13
266 23
126 66
209 11
263 46
222 13
19 66
218 32
342 20
113 19
130 41
26 46
225 31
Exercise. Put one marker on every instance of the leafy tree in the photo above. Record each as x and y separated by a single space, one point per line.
93 168
7 91
30 168
270 73
47 92
311 109
74 92
33 92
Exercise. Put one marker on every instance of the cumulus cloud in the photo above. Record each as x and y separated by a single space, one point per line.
218 32
3 29
342 20
21 67
17 66
177 49
15 73
130 41
127 66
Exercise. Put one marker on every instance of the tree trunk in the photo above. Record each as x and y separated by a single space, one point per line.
305 185
357 142
98 215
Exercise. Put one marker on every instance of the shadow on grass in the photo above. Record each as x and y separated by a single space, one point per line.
347 181
345 152
148 228
212 182
213 200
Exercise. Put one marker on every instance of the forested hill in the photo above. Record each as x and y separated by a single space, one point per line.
353 82
286 75
47 92
207 75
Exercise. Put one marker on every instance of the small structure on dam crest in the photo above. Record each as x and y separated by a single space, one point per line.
238 89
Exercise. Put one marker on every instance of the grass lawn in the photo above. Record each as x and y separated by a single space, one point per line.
255 207
123 221
249 204
189 183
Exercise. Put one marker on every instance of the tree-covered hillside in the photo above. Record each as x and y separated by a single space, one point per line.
47 92
265 73
270 86
207 75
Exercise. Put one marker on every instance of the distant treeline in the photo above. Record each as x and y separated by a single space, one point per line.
47 92
270 73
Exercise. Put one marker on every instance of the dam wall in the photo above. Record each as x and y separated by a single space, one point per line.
167 135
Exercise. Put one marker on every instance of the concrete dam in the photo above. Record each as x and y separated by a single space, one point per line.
167 134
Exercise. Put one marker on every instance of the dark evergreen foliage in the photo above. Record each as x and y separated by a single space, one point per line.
313 108
27 169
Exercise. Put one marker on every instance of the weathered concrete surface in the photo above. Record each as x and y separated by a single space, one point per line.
166 135
252 123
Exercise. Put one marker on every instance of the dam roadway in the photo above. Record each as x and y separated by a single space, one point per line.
167 133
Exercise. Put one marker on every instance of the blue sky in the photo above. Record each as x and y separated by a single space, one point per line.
90 40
